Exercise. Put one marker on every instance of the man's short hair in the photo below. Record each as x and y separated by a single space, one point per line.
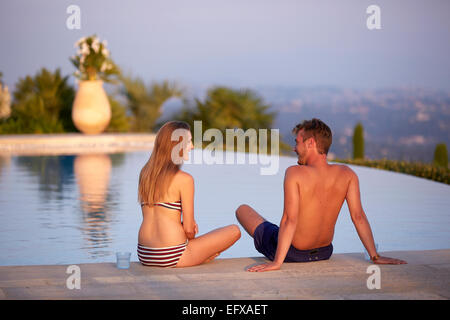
317 129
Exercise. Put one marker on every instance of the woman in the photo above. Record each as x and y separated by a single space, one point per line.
166 193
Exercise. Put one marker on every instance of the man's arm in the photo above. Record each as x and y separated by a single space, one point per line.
361 223
288 223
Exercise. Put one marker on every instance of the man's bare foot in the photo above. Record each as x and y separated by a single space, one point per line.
212 257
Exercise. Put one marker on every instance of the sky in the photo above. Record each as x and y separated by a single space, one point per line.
239 43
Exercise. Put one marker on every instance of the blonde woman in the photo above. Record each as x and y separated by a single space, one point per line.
166 193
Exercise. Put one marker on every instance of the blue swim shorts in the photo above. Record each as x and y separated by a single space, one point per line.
266 240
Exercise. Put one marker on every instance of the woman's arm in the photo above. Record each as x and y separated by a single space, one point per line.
187 205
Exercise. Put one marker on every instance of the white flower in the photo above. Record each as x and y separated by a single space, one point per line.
105 52
79 41
85 46
95 45
103 67
84 49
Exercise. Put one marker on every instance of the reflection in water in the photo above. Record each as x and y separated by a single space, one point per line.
57 176
92 173
5 162
55 173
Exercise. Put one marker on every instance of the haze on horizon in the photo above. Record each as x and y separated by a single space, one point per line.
239 43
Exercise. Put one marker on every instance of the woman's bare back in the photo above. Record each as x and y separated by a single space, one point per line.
161 226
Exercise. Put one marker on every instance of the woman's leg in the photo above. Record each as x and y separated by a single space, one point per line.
207 246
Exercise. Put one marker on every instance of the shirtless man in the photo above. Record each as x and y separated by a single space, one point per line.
314 192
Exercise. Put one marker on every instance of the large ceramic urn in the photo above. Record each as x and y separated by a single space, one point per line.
91 111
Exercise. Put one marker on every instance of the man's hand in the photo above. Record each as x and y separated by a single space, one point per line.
387 260
265 267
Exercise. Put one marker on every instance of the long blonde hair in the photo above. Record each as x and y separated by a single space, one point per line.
158 172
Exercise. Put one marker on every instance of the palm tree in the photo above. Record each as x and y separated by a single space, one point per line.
145 103
42 104
227 108
120 122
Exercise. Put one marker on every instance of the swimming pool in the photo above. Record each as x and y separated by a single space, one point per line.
83 208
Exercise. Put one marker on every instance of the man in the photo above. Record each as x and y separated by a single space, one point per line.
314 192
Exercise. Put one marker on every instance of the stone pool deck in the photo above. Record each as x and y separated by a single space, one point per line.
344 276
74 143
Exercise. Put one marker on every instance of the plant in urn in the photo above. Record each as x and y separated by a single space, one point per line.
91 111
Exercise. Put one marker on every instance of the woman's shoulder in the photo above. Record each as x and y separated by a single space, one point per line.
184 177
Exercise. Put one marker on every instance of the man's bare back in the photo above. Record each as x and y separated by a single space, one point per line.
322 192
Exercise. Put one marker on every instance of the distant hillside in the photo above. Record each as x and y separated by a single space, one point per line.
399 123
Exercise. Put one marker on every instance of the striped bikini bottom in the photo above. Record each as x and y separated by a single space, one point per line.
161 257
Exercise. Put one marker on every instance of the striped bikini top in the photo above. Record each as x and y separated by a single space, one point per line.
176 205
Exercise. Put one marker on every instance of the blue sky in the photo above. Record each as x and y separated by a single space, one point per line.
239 43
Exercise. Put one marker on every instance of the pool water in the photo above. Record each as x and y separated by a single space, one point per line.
83 208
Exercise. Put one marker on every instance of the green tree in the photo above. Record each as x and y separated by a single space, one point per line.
227 108
358 142
120 122
145 103
441 155
42 104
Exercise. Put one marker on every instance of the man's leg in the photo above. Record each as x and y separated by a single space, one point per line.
248 218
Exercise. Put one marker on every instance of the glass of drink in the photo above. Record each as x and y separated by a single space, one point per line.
123 260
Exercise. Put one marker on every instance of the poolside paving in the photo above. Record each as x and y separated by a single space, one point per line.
344 276
74 143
